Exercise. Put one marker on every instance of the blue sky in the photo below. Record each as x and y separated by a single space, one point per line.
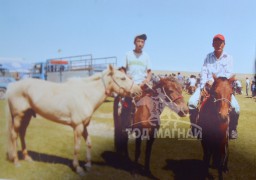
179 32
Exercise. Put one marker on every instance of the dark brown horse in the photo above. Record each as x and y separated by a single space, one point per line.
146 119
214 120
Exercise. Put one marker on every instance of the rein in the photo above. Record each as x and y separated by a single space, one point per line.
120 86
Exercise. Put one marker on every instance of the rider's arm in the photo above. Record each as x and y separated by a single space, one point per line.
149 72
149 75
229 67
204 74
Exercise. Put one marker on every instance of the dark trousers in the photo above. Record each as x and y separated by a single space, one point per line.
123 122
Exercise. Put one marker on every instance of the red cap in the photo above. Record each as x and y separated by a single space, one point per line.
219 36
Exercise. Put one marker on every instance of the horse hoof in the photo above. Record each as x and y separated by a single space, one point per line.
17 164
80 171
225 170
28 158
88 166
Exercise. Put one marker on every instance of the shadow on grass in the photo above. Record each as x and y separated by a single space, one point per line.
120 162
117 161
108 101
46 158
111 159
187 169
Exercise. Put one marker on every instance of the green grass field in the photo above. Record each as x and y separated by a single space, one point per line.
51 146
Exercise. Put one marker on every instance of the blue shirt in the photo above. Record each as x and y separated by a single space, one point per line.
222 67
137 65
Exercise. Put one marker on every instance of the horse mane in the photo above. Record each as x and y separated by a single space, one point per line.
223 78
94 77
171 78
219 78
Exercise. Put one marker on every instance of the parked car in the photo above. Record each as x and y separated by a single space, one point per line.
4 81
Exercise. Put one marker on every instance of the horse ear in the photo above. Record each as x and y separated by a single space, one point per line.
111 69
232 79
214 76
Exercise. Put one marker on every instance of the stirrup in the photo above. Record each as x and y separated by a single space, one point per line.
233 134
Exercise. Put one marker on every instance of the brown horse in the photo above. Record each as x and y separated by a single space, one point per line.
146 121
214 120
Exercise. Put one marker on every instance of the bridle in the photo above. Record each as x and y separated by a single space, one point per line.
166 95
172 101
221 99
120 87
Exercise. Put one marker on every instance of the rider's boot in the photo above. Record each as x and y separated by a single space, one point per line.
193 114
233 125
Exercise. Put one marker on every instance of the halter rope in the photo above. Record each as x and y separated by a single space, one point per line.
172 101
179 97
102 78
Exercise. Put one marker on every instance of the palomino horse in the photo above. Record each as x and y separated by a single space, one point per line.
214 119
71 103
146 121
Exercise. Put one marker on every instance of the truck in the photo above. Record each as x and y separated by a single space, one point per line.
60 69
4 82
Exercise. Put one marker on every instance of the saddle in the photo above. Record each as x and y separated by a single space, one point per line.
204 96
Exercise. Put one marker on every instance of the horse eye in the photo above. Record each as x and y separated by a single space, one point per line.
123 78
171 90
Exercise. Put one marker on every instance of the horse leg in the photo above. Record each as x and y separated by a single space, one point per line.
137 149
206 156
25 122
148 154
89 147
14 132
220 173
117 123
78 130
136 166
225 166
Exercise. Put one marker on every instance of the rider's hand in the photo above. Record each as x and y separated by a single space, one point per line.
209 83
208 86
204 92
143 84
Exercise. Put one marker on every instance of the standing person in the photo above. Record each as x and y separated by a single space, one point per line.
192 81
238 87
180 78
192 84
219 63
247 85
137 64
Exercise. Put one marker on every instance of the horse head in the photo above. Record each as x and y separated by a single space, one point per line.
221 92
119 83
172 91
